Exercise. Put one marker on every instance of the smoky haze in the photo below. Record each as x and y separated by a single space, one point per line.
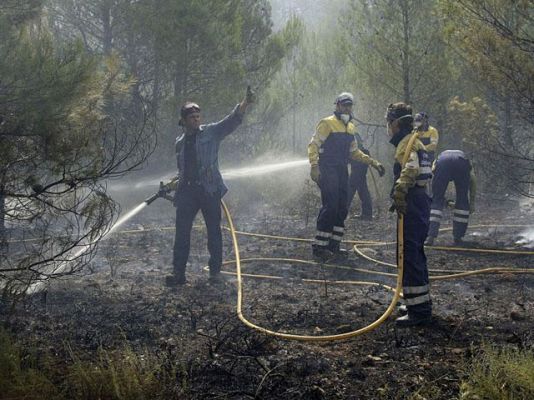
297 55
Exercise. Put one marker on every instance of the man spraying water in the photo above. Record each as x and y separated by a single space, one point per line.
199 184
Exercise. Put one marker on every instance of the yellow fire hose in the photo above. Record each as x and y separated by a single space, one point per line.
399 275
307 338
342 336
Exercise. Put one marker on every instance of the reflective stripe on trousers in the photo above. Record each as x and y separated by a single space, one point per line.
322 238
435 221
460 220
337 234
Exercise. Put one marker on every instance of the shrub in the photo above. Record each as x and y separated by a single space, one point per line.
500 374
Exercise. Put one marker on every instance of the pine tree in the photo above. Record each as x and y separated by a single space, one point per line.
58 143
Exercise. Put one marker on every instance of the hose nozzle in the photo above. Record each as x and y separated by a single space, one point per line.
163 191
151 199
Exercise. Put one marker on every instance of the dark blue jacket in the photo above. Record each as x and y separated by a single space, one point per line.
207 148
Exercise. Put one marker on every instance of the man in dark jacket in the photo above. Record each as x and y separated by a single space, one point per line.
199 185
410 198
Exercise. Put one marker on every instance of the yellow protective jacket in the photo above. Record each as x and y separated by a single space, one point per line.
333 143
416 171
430 139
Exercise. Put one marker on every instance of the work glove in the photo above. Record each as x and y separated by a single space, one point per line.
399 202
315 174
380 169
169 186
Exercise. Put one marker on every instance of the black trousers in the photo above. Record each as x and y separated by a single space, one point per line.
188 200
358 183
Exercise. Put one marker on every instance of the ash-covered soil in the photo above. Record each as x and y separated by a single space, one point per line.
121 298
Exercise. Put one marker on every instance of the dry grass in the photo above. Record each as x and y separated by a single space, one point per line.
118 375
500 374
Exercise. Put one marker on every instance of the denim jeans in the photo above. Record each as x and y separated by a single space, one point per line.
189 199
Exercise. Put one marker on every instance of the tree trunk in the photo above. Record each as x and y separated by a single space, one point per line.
405 51
107 39
3 236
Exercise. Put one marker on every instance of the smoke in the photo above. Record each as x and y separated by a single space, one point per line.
312 13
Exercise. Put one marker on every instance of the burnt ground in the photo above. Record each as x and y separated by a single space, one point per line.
121 299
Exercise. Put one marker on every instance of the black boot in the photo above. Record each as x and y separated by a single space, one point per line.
458 241
402 309
216 278
321 252
338 251
175 279
410 320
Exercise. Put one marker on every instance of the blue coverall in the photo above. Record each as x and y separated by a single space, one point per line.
451 165
416 289
331 148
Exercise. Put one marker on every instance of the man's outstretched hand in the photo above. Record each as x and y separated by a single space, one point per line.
250 98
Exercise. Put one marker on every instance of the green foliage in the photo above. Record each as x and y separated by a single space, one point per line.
396 53
499 374
497 40
53 97
479 131
295 99
477 122
121 374
67 124
20 376
204 51
495 44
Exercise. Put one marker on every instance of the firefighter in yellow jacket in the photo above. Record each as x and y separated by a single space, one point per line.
428 135
410 198
330 149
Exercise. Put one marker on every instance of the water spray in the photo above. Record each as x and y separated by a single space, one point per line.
164 192
235 173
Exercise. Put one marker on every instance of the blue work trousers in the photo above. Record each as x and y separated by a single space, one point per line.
456 170
333 183
415 282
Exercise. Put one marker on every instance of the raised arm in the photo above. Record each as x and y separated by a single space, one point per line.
230 123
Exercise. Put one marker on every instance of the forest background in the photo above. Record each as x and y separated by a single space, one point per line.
90 91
